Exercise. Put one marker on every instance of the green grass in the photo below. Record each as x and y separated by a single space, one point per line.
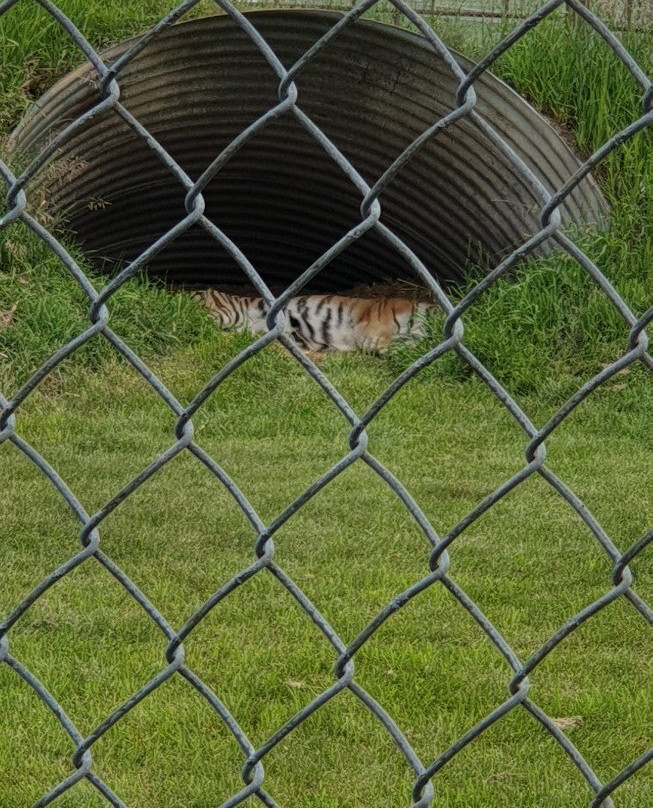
51 308
568 72
529 562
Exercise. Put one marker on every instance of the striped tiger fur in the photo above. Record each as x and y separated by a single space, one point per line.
325 322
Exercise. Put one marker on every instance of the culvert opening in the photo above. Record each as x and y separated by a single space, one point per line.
281 199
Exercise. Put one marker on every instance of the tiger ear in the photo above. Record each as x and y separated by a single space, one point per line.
198 297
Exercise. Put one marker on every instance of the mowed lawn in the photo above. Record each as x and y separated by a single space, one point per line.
529 564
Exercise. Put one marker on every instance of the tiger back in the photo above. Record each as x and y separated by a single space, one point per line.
339 323
234 312
326 322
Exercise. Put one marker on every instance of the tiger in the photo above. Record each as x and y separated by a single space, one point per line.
325 322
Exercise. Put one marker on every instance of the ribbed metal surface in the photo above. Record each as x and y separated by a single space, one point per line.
372 90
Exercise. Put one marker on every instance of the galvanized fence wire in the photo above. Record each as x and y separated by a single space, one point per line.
623 14
437 562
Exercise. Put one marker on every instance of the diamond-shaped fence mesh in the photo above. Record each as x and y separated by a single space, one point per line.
625 13
437 561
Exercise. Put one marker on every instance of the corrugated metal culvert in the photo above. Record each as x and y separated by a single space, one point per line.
372 90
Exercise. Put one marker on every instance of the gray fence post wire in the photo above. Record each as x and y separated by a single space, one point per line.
437 568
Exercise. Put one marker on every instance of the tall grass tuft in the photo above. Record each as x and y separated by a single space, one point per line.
549 324
44 308
569 72
538 333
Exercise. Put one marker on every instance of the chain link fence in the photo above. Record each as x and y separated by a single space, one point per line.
627 14
437 563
